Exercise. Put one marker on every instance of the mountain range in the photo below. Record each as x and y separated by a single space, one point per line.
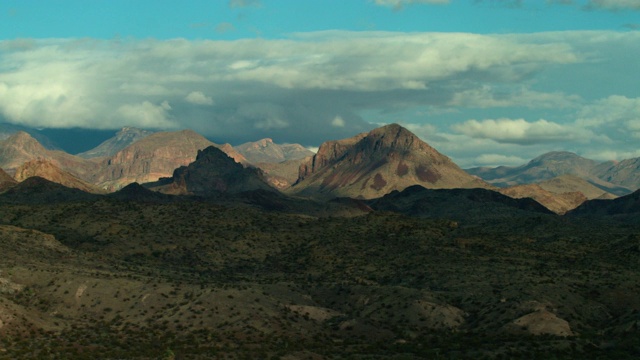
382 248
365 166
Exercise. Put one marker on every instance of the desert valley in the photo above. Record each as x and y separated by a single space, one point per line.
166 245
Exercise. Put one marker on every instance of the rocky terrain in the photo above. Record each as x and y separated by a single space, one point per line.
373 164
419 273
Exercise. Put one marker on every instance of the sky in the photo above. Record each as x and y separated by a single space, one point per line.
485 82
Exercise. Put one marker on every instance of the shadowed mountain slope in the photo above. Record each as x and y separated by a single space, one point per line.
624 205
37 190
211 173
6 181
457 204
373 164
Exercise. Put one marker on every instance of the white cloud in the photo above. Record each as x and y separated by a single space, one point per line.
520 131
294 87
146 114
488 97
614 109
493 160
198 98
338 122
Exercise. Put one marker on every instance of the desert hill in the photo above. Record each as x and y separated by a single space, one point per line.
628 205
38 190
457 204
373 164
212 172
559 194
45 169
559 203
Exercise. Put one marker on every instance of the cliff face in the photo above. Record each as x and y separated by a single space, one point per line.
373 164
212 172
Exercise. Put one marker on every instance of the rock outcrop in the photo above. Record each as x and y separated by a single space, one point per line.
211 173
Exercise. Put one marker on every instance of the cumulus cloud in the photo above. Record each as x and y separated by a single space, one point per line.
520 131
489 97
615 115
294 87
198 98
147 115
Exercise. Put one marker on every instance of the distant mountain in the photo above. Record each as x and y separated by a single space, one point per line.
546 167
266 151
281 175
624 173
6 130
45 169
370 165
21 147
456 204
153 157
212 172
123 138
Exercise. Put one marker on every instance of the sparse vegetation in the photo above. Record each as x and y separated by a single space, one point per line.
196 280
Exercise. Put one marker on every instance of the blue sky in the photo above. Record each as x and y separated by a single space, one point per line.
484 82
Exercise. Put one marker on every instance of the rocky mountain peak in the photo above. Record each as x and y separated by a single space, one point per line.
22 139
374 163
